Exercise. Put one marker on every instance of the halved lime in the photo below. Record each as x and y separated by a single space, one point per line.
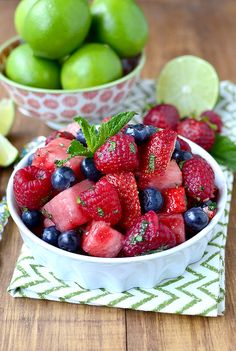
8 152
7 115
190 83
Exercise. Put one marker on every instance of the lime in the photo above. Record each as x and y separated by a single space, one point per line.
55 28
190 83
24 68
7 115
20 14
121 24
91 65
8 152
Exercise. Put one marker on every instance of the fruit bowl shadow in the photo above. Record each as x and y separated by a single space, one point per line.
58 107
121 274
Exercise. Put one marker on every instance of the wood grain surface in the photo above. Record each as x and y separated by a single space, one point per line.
201 27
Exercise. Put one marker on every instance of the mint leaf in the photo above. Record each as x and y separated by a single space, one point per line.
224 151
89 131
112 127
77 149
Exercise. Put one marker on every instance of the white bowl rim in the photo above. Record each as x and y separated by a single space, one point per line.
220 205
128 76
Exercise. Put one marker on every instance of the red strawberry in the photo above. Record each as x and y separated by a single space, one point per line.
198 179
32 187
59 134
101 202
213 118
101 240
157 152
45 157
72 128
170 179
184 145
162 116
175 200
126 187
63 209
175 222
147 235
118 154
197 131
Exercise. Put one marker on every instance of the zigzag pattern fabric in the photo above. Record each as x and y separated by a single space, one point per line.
199 291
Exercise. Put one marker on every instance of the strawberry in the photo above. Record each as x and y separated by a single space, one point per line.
184 146
198 131
118 154
45 157
156 154
162 116
101 240
198 179
32 187
101 202
170 179
175 200
63 209
175 222
59 134
213 118
128 196
147 235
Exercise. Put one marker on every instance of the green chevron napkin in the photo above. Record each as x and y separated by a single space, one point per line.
199 291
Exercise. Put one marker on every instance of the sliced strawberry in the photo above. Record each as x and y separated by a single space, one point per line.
126 187
118 154
175 200
64 210
175 222
157 152
100 240
45 157
101 202
170 179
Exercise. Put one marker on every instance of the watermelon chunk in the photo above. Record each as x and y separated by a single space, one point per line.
63 209
72 128
175 222
46 156
102 241
170 179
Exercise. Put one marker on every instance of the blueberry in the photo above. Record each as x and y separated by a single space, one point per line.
89 169
80 137
152 130
179 155
32 219
177 146
151 199
30 160
63 178
50 235
68 241
195 219
140 132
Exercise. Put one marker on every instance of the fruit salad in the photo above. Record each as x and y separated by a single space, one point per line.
115 190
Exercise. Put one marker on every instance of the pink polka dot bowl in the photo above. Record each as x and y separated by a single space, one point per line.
58 107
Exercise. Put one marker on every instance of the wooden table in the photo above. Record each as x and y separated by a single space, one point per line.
201 27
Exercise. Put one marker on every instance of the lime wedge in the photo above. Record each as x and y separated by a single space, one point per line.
7 115
8 152
190 83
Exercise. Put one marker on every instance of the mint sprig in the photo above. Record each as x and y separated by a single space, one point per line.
224 151
94 137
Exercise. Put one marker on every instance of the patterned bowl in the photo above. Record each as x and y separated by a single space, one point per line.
120 274
58 107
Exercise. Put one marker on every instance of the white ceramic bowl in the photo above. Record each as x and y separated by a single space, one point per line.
58 107
120 274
